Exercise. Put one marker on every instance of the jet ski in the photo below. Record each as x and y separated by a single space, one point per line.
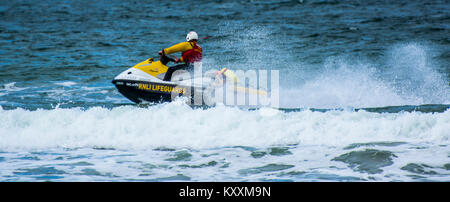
144 83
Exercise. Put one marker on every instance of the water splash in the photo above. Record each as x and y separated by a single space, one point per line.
407 77
412 71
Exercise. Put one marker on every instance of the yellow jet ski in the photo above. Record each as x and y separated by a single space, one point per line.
144 83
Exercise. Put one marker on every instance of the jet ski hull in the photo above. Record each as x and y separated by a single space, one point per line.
142 91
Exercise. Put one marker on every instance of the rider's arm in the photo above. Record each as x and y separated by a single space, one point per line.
181 47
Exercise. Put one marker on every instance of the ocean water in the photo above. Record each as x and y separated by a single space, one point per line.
364 92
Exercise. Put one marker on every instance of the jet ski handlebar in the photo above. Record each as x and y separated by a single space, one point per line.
165 59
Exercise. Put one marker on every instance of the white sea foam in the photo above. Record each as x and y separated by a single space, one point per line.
176 125
66 83
11 87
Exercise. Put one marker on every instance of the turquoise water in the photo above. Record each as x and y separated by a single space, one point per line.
364 92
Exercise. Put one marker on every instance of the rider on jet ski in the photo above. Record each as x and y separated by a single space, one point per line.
191 52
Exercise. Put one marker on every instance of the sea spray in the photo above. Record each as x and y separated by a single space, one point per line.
411 70
407 77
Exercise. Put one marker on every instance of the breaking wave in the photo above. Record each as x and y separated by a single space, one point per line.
176 125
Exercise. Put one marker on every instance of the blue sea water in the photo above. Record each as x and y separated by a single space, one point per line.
364 92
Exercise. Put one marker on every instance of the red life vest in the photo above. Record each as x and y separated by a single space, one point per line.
193 55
